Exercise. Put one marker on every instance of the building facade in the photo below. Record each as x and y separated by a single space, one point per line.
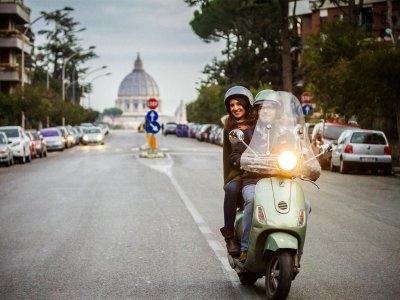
14 16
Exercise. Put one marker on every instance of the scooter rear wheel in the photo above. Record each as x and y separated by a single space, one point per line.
279 275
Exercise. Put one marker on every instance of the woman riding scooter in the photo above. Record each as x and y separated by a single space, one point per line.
238 102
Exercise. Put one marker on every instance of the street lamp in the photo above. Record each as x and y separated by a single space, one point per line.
388 31
28 26
63 69
101 75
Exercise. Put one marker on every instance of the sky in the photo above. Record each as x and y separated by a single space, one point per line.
120 29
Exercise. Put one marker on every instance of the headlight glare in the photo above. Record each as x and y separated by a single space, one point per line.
287 161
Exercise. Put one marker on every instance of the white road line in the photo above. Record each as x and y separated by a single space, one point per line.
214 244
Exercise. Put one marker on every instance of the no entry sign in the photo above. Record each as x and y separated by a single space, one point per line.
152 103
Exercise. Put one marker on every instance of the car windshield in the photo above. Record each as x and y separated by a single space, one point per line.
48 133
10 132
368 138
92 130
333 132
2 139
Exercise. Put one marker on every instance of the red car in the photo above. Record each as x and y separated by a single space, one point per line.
40 146
31 144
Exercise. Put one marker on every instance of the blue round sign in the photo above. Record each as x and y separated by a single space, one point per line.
153 127
307 109
152 116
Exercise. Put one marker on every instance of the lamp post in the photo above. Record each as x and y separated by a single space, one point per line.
390 33
101 75
63 70
28 26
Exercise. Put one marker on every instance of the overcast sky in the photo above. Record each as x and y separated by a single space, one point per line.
158 29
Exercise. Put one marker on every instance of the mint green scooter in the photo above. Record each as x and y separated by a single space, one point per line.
279 222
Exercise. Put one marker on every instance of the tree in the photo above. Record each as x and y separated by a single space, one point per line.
113 112
209 106
61 43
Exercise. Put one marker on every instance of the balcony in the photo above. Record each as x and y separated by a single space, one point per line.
15 7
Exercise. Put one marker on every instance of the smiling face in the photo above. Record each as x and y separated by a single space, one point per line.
236 108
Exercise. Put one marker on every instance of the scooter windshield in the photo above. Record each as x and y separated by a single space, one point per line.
280 128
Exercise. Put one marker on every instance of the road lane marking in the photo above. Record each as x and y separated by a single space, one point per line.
214 244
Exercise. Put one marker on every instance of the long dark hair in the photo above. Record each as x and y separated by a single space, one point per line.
249 118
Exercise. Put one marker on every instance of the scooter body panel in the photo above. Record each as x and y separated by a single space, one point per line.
281 240
281 200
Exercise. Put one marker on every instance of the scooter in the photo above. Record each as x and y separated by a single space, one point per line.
279 222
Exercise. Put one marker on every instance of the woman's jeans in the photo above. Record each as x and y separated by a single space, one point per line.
232 194
248 197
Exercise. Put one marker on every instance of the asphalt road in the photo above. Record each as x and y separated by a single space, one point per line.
98 222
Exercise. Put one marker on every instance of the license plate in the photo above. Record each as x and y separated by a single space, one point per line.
369 159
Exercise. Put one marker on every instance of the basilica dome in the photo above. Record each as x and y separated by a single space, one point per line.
138 83
134 91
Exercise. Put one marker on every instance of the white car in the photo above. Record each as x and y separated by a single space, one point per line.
20 142
92 135
362 149
6 154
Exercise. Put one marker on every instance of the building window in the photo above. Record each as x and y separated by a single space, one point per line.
367 19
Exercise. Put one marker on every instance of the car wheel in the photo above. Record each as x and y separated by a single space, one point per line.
22 159
387 171
332 167
343 167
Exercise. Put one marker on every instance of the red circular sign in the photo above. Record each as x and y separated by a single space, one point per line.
306 97
152 103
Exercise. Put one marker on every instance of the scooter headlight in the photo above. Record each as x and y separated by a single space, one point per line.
287 161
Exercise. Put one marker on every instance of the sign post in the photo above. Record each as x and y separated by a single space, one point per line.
152 128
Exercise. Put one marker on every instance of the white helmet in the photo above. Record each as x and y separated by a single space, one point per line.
238 91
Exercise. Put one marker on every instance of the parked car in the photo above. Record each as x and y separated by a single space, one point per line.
6 153
31 144
92 135
203 133
20 142
40 144
67 141
54 138
170 128
182 130
363 150
324 133
104 128
212 138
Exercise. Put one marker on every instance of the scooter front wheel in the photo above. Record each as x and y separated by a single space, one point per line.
279 275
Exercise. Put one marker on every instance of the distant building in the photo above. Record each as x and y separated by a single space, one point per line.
134 91
14 15
180 113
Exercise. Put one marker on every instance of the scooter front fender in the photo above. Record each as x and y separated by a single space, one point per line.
281 240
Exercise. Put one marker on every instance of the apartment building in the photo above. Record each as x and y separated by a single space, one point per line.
14 17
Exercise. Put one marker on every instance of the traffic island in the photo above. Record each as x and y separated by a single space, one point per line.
152 154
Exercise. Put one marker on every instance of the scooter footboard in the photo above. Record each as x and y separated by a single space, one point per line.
281 240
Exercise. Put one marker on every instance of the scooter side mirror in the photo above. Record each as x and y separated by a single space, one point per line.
299 130
236 136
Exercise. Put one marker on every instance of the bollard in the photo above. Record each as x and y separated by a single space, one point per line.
153 143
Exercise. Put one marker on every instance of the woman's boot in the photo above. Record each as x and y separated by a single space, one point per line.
232 246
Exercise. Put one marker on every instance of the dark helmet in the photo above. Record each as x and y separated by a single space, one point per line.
240 92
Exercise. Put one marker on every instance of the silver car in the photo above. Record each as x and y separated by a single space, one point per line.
92 135
362 150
